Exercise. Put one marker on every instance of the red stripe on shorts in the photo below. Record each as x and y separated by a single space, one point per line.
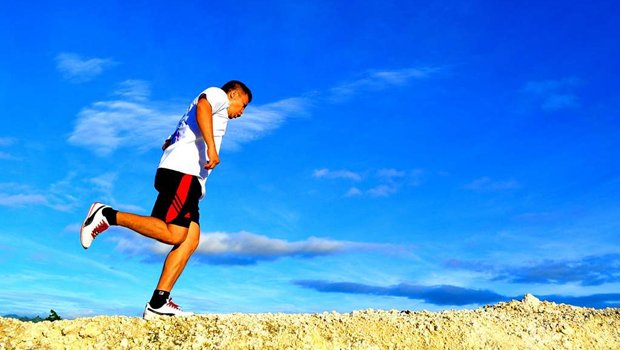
179 197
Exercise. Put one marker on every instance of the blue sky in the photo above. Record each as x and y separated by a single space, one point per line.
396 155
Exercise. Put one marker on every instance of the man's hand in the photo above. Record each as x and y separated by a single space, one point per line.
165 145
214 159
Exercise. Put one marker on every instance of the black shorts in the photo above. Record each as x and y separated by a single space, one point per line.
177 202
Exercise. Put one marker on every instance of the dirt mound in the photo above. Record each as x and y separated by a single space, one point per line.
526 324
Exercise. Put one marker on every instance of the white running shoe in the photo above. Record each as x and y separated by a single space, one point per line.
168 309
94 224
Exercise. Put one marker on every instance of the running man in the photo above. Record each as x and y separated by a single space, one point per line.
190 154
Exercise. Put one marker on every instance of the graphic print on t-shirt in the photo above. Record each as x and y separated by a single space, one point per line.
187 150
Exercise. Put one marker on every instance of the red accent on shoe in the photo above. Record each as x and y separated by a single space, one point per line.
173 305
100 228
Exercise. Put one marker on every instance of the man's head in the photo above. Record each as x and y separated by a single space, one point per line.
239 96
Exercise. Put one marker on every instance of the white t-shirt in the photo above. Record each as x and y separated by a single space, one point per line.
187 152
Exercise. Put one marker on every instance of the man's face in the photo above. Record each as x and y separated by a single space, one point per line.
237 100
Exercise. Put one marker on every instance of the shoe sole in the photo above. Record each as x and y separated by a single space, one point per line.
88 216
150 314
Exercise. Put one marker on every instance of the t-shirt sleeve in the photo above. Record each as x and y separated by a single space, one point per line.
217 98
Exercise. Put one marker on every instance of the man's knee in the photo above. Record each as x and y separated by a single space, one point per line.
178 234
189 241
177 240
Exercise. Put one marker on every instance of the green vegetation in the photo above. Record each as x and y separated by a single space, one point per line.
53 316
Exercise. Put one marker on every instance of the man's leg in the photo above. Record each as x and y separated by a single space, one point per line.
178 257
168 223
153 227
160 303
180 210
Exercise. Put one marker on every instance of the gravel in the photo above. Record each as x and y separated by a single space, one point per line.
525 324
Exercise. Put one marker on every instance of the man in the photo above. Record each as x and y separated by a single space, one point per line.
190 154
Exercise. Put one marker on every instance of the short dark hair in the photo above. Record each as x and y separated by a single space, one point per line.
236 84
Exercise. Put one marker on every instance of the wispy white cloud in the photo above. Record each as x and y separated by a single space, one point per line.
59 195
243 247
485 183
258 121
104 184
337 174
64 193
132 208
73 228
106 126
553 95
395 178
68 304
21 200
382 190
385 182
591 270
134 89
378 80
354 192
77 69
261 120
134 121
250 244
446 294
391 173
129 122
70 264
434 294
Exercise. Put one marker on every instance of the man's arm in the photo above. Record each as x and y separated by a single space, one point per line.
204 117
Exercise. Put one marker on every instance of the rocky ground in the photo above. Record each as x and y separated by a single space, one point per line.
525 324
